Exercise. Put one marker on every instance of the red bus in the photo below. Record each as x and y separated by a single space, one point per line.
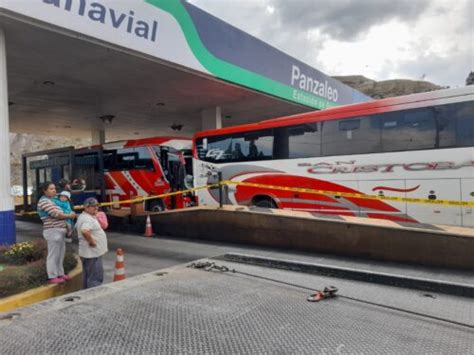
118 171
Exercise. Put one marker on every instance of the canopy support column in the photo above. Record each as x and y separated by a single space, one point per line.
7 213
98 136
211 118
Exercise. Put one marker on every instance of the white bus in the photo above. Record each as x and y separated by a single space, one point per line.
416 146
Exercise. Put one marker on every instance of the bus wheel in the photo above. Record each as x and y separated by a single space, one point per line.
264 202
156 206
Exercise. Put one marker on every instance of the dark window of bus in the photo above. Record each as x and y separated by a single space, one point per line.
245 146
143 159
128 159
464 124
109 157
445 126
302 141
455 124
408 130
351 136
125 159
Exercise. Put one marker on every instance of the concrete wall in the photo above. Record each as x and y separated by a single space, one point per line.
422 247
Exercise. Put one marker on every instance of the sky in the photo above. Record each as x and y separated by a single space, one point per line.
430 40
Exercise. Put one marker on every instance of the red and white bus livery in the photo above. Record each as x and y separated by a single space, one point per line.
416 146
142 167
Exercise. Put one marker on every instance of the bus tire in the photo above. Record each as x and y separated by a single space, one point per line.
264 202
156 206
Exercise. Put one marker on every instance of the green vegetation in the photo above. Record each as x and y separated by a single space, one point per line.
25 266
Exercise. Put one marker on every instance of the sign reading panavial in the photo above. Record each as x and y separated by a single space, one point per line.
95 11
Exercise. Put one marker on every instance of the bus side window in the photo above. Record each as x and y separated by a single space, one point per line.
358 135
109 157
446 125
302 141
409 130
125 159
465 124
143 159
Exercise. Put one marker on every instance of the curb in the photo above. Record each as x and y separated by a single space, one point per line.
396 280
43 293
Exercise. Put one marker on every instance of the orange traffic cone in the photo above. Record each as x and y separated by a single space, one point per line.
119 266
148 229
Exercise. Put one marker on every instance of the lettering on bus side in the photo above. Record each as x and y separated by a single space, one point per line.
351 167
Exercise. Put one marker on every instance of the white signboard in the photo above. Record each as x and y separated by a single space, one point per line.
132 24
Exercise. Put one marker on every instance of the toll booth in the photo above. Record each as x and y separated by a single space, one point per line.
83 168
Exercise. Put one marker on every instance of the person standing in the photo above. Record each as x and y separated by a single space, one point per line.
92 244
54 231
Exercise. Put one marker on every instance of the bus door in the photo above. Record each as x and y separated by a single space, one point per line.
173 165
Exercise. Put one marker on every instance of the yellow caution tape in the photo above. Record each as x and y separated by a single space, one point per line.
134 200
353 195
282 188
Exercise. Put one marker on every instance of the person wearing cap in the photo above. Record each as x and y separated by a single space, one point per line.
63 201
92 244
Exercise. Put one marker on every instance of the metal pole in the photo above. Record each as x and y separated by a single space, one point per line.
221 194
24 166
71 164
7 213
101 175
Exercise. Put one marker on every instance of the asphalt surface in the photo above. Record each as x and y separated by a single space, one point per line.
144 255
255 310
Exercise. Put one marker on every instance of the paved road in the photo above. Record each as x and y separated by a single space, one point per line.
256 310
144 255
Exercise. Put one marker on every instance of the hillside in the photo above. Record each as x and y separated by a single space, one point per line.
386 88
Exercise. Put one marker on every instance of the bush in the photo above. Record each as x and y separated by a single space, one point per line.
3 249
17 279
27 267
26 252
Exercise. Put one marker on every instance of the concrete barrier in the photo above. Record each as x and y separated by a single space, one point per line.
431 245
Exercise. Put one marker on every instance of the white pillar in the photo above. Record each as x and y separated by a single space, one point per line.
98 136
7 213
211 118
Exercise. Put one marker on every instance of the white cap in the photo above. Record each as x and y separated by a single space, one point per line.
65 193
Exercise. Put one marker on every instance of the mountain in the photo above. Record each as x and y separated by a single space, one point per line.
21 143
387 88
